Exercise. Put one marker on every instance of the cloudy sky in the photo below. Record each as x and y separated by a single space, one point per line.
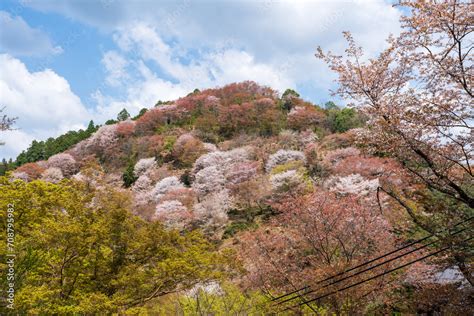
63 63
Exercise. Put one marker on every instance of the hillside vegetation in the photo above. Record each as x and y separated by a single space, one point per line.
237 200
234 185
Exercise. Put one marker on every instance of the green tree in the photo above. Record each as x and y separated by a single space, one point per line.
91 128
45 149
140 114
341 120
123 115
330 105
110 122
288 98
225 299
81 251
128 176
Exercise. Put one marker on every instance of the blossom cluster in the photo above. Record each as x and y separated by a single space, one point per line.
352 184
52 174
143 166
64 162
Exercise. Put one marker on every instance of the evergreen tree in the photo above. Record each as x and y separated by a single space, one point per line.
140 114
128 176
91 127
123 115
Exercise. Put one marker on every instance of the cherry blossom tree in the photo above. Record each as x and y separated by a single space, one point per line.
103 139
208 180
143 183
142 189
219 169
187 149
241 172
20 175
211 212
52 174
287 181
428 128
418 97
143 166
65 162
315 236
173 214
186 196
337 155
6 122
32 169
149 146
126 129
164 186
305 116
352 184
150 121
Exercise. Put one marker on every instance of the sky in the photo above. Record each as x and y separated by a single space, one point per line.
63 63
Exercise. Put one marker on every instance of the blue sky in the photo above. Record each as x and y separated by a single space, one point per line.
63 63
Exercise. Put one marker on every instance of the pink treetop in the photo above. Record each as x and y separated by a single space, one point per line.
65 162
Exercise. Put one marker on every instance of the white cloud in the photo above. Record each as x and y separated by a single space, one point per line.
140 46
42 101
266 29
272 42
115 66
19 39
217 66
166 49
14 142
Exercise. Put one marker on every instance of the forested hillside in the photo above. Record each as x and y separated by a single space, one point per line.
240 200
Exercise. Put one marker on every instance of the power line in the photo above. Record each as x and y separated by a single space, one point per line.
292 292
370 268
369 261
305 302
376 276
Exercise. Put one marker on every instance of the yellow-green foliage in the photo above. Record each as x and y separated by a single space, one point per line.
226 300
80 251
300 169
290 165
